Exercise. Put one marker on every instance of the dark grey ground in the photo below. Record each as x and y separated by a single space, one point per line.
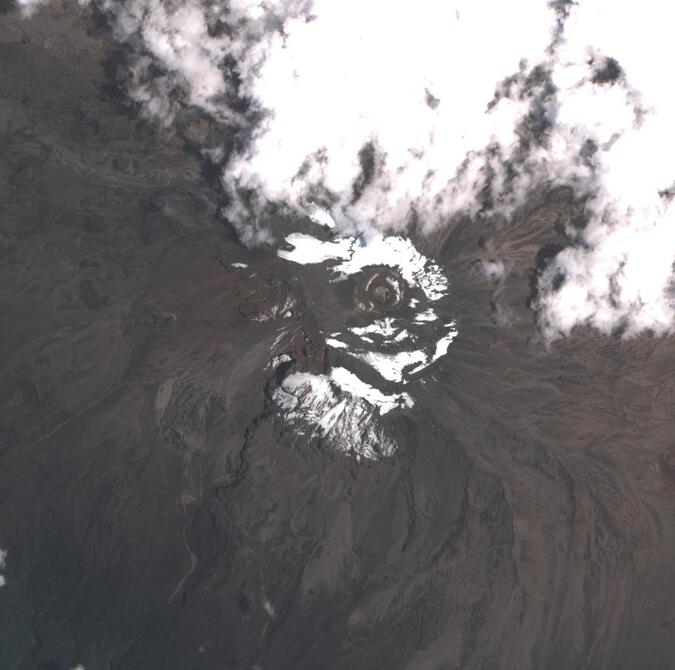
156 515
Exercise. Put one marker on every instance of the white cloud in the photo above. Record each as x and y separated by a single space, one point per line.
618 275
174 36
412 82
375 116
341 81
333 80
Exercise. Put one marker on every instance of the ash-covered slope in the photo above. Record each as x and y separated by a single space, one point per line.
157 510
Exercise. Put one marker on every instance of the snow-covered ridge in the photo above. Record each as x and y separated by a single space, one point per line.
340 405
340 409
351 254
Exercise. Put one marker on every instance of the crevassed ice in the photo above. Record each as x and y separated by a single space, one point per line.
352 384
393 366
328 407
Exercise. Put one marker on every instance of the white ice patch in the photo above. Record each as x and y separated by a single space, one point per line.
397 366
392 366
384 327
279 338
441 349
239 265
399 252
427 315
278 360
357 253
269 608
337 344
350 383
402 336
309 250
320 406
397 354
284 310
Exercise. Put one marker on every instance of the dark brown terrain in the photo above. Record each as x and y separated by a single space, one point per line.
157 515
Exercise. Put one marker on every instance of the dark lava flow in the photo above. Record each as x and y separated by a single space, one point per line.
155 513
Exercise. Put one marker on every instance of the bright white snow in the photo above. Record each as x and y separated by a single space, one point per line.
325 407
350 383
308 249
357 253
